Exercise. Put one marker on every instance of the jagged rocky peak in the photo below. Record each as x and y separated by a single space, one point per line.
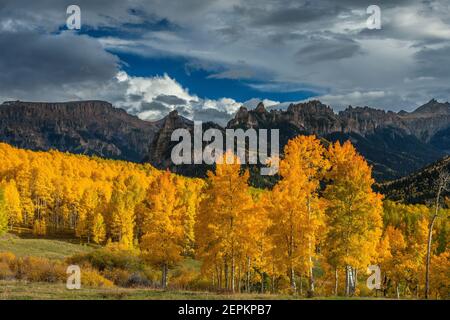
243 111
428 120
162 143
60 105
90 127
240 118
433 107
366 120
173 121
312 106
312 116
410 139
366 114
179 119
173 114
260 108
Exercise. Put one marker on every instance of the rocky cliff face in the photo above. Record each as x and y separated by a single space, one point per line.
394 143
161 147
86 127
315 117
428 120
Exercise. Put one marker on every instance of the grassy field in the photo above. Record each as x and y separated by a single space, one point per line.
51 249
60 249
20 290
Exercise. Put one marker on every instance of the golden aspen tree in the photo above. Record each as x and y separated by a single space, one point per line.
97 224
127 192
86 213
97 229
22 179
353 214
69 206
189 191
223 224
383 259
40 227
412 222
3 213
298 213
51 186
393 261
257 248
402 268
442 185
440 276
12 204
162 240
41 190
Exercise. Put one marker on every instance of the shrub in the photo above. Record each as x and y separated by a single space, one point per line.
185 275
108 259
152 275
118 276
92 278
125 278
200 284
138 279
5 271
7 257
37 269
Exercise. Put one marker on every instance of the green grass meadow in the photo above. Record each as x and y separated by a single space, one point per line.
46 248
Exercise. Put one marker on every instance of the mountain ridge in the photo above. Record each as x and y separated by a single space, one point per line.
91 127
395 144
418 187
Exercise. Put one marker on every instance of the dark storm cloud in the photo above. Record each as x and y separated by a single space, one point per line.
213 115
328 49
50 15
232 74
434 62
170 99
135 97
154 106
320 44
299 12
285 16
30 61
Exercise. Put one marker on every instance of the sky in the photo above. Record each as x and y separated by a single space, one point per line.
206 58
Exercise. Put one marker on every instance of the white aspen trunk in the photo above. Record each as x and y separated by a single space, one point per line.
443 181
301 284
164 276
336 276
247 285
225 270
233 272
311 275
347 280
292 278
239 278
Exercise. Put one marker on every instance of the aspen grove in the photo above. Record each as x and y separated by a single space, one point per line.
314 233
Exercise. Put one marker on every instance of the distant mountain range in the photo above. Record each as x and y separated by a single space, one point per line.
85 127
396 144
